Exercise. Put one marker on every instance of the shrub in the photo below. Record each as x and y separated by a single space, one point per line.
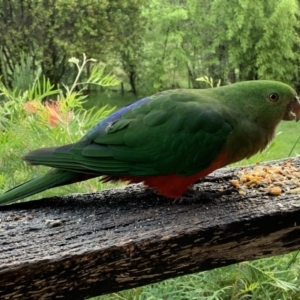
42 116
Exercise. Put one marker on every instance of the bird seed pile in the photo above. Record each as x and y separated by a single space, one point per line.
273 179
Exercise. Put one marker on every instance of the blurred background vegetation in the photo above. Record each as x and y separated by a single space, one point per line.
141 47
152 44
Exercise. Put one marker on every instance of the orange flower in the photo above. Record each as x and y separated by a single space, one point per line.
54 113
52 109
31 107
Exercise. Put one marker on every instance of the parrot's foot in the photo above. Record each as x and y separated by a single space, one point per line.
194 196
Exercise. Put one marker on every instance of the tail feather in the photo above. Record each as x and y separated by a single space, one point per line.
43 155
53 178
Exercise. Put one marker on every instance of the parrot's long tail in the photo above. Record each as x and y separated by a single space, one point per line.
54 178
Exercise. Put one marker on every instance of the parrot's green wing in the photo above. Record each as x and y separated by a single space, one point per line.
173 133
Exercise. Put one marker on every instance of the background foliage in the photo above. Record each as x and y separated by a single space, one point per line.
153 45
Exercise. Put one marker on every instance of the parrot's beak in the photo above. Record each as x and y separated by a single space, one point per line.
293 110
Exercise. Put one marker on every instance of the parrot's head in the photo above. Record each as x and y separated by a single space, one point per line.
281 101
267 102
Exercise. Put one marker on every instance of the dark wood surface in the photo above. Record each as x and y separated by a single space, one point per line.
79 246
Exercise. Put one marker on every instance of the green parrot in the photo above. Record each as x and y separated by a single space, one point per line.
169 140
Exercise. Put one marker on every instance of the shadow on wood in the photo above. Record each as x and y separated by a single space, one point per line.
79 246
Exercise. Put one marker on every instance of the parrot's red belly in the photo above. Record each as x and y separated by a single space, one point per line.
173 185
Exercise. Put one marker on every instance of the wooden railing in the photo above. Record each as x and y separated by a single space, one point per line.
79 246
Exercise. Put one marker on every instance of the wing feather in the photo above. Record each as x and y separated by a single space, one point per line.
176 132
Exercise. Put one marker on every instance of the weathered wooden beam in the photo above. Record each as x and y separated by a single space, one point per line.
79 246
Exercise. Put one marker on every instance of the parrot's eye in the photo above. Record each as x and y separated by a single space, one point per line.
273 97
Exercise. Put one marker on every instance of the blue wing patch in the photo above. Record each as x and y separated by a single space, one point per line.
101 127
